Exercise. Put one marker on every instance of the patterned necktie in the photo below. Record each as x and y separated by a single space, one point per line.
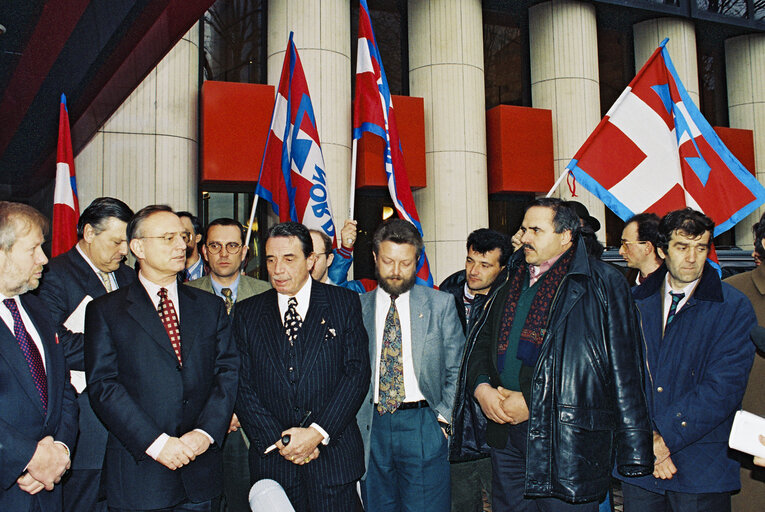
106 280
228 299
391 363
170 322
31 353
292 320
676 298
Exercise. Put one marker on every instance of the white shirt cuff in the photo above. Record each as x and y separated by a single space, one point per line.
208 436
68 452
321 431
156 447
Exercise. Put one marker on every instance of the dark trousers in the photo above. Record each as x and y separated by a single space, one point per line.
236 474
508 467
637 499
308 496
80 491
205 506
469 480
408 467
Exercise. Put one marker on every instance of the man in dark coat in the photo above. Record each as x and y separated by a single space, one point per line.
90 269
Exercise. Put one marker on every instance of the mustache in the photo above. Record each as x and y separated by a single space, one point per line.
528 246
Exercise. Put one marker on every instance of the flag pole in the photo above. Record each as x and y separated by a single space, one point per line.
354 155
557 183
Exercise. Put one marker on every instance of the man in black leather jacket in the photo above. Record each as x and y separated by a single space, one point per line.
486 260
555 363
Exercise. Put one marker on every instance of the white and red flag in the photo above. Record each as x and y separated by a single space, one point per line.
66 209
655 152
293 176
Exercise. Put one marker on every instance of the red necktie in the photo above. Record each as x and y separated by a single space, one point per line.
31 353
170 321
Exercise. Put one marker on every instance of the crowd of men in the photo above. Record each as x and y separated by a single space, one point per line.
532 378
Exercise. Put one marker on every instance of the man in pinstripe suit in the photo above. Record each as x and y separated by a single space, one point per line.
305 371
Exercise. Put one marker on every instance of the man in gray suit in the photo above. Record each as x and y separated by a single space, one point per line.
415 346
224 252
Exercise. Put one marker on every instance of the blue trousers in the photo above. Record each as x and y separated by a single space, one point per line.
637 499
508 480
408 467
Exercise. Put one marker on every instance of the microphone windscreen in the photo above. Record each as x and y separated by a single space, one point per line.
268 496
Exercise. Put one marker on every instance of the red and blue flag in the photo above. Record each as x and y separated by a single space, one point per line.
655 152
66 209
373 112
293 176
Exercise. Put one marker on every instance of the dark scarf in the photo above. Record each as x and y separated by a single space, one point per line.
533 331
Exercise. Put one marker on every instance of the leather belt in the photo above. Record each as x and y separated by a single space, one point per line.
412 405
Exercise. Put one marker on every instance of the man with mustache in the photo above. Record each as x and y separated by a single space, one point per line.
415 345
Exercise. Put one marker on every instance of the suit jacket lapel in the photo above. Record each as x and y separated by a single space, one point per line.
189 320
141 308
312 333
42 327
368 306
90 281
272 335
419 311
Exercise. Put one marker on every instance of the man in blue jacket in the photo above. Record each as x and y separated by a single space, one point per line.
698 357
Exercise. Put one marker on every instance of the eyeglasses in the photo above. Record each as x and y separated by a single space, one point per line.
169 237
231 247
625 243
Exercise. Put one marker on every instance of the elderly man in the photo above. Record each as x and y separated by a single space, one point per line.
415 344
38 412
556 369
162 372
92 268
698 357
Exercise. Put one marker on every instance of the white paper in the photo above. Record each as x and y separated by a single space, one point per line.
78 380
76 321
745 433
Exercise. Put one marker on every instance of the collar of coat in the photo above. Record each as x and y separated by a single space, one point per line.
580 264
709 287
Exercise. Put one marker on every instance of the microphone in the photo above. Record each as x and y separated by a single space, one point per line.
268 496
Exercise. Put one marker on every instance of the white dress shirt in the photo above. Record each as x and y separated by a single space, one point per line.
303 298
382 305
688 291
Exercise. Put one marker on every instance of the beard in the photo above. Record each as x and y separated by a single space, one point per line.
395 286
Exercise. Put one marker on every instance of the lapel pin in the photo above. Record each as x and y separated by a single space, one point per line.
56 338
420 315
322 321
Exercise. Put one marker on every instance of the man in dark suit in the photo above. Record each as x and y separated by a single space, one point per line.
93 267
162 372
38 412
305 370
224 252
415 343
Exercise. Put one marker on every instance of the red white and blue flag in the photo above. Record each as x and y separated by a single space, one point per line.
66 209
373 112
292 176
655 152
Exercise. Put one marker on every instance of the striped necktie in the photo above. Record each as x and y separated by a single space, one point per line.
676 298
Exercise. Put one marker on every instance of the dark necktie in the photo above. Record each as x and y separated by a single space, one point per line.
292 320
391 363
227 294
170 322
31 353
676 298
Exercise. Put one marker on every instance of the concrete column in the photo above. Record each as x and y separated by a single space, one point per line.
446 69
323 39
682 48
745 67
564 79
146 152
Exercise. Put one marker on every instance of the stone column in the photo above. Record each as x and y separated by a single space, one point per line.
446 69
564 79
745 68
682 48
146 152
323 39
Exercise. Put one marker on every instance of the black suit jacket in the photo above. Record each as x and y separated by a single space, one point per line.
23 420
67 280
330 376
139 391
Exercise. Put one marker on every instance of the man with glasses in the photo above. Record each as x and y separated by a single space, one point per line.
162 372
195 266
224 252
638 247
